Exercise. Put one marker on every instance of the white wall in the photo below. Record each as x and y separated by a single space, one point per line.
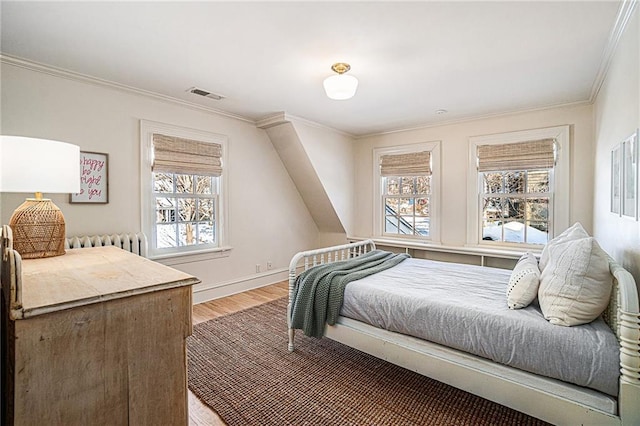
268 219
454 163
289 147
616 116
331 153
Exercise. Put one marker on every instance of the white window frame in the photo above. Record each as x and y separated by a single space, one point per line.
434 212
147 208
560 184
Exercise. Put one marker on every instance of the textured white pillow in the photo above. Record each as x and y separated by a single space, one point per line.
524 282
576 283
575 232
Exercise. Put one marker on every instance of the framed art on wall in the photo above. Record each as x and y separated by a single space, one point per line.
94 179
630 176
615 180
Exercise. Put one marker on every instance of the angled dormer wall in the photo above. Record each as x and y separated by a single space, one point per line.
320 162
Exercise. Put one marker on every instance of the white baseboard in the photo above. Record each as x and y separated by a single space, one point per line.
204 292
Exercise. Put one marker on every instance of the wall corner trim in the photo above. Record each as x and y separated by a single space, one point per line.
622 19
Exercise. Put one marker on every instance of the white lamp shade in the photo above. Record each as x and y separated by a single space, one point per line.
38 165
340 86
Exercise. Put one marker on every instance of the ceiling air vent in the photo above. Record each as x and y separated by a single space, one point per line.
204 93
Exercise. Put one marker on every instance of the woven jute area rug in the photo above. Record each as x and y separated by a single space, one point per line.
240 367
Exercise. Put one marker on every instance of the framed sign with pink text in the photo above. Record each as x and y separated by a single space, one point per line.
94 179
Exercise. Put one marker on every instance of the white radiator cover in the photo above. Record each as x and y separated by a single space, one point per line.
134 242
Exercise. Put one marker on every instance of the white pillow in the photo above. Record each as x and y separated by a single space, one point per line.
524 282
575 232
576 283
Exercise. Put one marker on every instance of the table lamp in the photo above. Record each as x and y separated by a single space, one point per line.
38 165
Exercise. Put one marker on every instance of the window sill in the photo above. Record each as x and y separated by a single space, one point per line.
193 256
480 251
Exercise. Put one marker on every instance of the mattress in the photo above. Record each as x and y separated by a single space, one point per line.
465 307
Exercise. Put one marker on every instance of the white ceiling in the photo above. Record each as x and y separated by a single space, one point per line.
470 58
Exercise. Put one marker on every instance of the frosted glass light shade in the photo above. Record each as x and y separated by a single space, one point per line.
38 165
340 86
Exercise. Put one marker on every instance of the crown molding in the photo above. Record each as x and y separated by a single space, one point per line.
273 120
622 19
282 117
625 12
471 118
264 123
75 76
320 126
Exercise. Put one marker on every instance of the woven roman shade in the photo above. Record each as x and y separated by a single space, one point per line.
177 155
529 155
411 164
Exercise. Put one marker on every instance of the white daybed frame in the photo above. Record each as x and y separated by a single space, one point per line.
538 396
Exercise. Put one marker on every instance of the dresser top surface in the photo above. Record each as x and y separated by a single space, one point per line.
91 275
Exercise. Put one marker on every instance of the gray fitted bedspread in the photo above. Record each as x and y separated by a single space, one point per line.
465 307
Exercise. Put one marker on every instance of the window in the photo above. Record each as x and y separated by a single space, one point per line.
520 186
186 208
405 191
183 190
515 206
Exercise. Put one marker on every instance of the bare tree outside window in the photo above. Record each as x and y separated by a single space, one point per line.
185 209
515 206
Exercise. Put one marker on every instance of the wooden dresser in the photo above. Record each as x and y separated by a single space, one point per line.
94 337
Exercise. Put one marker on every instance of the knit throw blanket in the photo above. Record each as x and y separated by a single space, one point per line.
319 291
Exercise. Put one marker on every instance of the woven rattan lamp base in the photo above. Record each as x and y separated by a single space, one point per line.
38 229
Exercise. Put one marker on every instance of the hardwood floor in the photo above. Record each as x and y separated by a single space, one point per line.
199 413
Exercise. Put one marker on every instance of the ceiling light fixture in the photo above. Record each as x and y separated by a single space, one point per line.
341 86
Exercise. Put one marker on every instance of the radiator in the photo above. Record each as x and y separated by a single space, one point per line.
135 243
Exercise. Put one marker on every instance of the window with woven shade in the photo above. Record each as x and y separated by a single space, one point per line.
185 187
516 191
411 164
178 155
183 207
527 155
405 176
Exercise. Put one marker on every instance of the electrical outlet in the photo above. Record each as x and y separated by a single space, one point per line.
257 268
269 264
